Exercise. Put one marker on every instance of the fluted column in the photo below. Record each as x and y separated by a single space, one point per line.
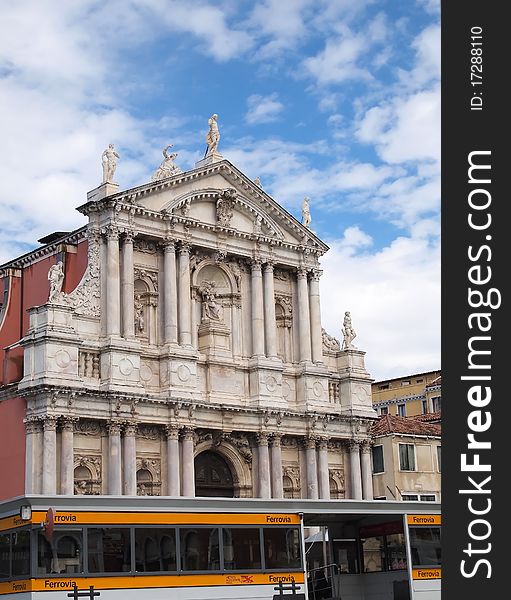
170 292
128 287
304 331
67 455
270 324
264 465
114 459
33 452
356 479
315 317
173 460
323 472
367 475
130 460
312 467
257 310
277 487
113 292
188 463
184 297
50 455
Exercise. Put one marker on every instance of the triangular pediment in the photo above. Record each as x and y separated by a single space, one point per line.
221 196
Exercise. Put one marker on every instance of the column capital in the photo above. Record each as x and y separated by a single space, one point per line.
172 431
276 439
255 264
184 249
315 274
366 446
323 443
32 425
68 423
169 244
129 235
268 266
114 427
353 445
309 442
262 438
188 434
301 273
49 423
130 429
111 232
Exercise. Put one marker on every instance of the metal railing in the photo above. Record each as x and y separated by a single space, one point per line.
323 582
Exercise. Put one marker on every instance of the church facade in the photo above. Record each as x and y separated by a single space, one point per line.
174 346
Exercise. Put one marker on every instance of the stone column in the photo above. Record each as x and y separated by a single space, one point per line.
312 467
277 487
188 463
128 287
130 460
356 480
113 292
49 456
315 317
114 459
270 324
33 452
173 460
264 465
170 292
67 455
304 330
257 310
323 472
184 298
367 474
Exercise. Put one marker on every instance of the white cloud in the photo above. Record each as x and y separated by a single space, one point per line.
394 299
263 109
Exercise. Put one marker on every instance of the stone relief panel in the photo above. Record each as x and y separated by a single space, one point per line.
87 474
148 476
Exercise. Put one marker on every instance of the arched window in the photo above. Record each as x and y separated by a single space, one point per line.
144 483
213 476
335 492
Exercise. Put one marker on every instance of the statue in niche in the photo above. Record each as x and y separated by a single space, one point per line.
139 314
167 167
56 279
109 163
213 135
306 213
211 309
348 332
225 206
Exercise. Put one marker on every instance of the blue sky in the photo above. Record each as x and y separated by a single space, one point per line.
338 100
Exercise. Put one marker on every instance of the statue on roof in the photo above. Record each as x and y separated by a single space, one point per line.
348 332
56 279
306 213
167 168
109 163
213 135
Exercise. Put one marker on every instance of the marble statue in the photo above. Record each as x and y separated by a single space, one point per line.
306 213
210 307
139 314
213 135
257 181
109 163
348 332
56 279
329 341
167 168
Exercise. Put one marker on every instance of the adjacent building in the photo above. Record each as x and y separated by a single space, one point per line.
173 346
408 396
407 458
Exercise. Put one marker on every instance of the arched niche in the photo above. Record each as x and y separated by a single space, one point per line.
145 304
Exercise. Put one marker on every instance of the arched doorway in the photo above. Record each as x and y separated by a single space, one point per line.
213 476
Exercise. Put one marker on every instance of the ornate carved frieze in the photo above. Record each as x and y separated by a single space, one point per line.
225 206
88 427
147 246
148 431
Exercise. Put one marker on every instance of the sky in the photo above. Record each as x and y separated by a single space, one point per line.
337 100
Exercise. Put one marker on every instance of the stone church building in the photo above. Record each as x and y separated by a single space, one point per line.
173 346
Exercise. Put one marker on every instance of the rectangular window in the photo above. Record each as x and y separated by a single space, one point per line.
384 410
242 549
281 548
419 380
20 553
424 407
425 546
408 497
346 556
384 386
155 549
200 549
378 466
436 403
427 497
407 457
439 458
5 555
401 410
406 382
109 550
